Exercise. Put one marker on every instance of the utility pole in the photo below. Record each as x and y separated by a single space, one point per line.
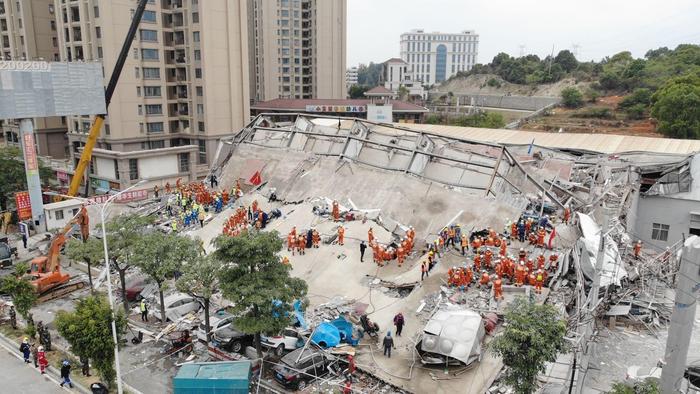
683 316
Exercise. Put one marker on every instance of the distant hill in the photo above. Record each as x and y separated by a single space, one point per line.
494 84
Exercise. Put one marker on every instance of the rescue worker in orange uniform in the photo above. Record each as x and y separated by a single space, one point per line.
497 289
485 278
167 187
540 237
315 238
553 261
489 241
291 243
514 230
487 258
477 262
400 255
530 265
341 235
520 275
567 215
450 275
539 281
637 249
464 243
540 261
503 248
294 231
476 244
531 278
336 211
370 236
522 254
285 260
468 276
499 269
301 244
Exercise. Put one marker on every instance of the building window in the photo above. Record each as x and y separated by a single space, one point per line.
99 52
200 126
98 32
133 169
138 91
195 36
154 109
151 91
136 53
195 17
149 54
140 109
59 215
96 11
197 54
202 151
151 73
440 63
200 91
136 72
54 42
198 73
184 162
53 25
659 232
200 109
149 16
154 127
149 35
153 144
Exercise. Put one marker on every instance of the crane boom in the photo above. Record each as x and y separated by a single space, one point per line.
86 156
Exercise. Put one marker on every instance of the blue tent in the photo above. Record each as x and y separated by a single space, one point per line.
326 335
345 330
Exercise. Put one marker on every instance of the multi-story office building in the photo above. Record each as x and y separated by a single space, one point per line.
350 77
184 84
28 32
395 74
297 48
434 57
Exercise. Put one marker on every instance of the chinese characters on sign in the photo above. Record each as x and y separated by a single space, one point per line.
133 195
30 152
24 205
336 108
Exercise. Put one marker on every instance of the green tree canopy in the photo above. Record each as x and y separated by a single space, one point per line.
676 107
571 97
12 176
20 289
369 75
533 336
200 279
257 283
88 330
566 60
91 251
160 255
357 91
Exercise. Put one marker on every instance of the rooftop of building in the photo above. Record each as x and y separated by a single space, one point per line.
299 105
396 60
379 91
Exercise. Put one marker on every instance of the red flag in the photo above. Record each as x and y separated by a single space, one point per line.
551 237
256 179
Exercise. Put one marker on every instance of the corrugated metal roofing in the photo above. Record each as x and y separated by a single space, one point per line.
603 143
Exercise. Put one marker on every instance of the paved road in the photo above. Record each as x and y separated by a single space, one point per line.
18 377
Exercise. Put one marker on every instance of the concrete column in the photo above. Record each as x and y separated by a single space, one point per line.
682 319
31 166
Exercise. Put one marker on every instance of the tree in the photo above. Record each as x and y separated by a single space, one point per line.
161 255
90 252
566 60
571 97
123 232
12 175
369 75
676 107
638 96
403 93
200 280
20 289
257 283
88 330
357 91
533 335
648 386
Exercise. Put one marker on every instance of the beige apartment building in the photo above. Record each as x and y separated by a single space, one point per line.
297 48
184 85
28 32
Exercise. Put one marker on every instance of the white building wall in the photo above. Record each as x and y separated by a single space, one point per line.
420 49
104 168
663 210
154 167
52 220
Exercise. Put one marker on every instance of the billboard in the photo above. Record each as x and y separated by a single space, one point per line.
24 205
336 108
380 113
43 89
132 195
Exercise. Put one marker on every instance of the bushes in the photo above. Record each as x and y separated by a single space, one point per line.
572 97
676 106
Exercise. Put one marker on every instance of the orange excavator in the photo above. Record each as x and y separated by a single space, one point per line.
45 271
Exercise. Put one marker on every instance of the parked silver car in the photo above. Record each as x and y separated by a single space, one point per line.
176 306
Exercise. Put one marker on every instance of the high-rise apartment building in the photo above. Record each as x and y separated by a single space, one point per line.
434 57
28 32
297 48
184 84
350 77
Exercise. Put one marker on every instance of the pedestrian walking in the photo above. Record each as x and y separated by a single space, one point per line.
43 362
24 240
144 310
363 247
213 181
423 271
388 344
25 349
35 355
201 217
399 322
65 374
13 317
85 366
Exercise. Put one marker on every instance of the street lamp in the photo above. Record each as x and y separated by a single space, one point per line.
120 390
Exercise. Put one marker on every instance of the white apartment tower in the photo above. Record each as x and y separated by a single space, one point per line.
184 84
350 77
28 32
297 48
434 57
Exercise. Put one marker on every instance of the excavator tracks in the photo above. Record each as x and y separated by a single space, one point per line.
62 290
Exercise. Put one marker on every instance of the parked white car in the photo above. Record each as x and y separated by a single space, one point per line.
288 340
217 322
176 306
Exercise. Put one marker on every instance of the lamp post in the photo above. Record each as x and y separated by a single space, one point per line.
120 390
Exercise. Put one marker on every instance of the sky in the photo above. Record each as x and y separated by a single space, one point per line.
599 28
